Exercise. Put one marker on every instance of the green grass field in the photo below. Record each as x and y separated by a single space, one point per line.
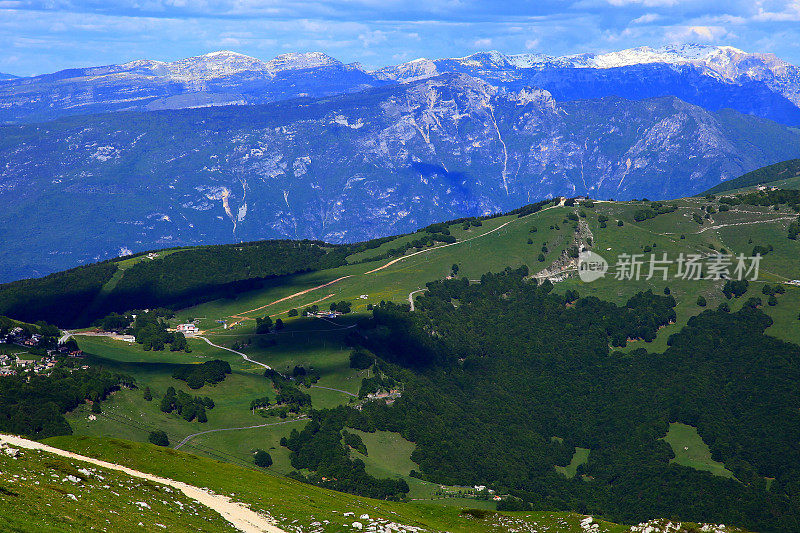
580 457
691 451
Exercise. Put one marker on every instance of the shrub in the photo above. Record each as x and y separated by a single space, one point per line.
262 459
159 438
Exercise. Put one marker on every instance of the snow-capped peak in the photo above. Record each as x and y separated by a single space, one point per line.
296 61
490 58
673 54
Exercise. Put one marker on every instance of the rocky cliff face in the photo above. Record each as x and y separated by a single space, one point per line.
383 161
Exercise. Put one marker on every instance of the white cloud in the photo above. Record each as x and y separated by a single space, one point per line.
482 43
684 34
647 18
371 38
531 44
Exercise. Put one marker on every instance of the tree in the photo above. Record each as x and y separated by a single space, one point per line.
701 301
263 325
454 268
262 459
292 312
666 291
772 300
541 258
148 395
278 324
96 407
361 359
159 438
620 223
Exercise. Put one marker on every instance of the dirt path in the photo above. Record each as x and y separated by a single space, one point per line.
337 390
239 316
237 514
719 226
501 226
293 295
411 297
393 261
193 435
234 351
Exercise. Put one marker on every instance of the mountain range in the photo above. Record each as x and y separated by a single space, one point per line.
350 167
227 148
709 76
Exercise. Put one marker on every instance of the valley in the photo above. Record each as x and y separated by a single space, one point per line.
322 347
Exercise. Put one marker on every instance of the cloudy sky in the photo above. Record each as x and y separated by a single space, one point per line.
47 35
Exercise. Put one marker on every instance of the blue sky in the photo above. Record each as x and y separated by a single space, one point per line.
48 35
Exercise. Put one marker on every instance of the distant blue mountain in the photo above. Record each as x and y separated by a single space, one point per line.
709 76
350 167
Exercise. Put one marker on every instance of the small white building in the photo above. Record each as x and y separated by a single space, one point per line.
187 329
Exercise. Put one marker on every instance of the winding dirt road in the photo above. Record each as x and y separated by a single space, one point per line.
234 351
237 514
193 435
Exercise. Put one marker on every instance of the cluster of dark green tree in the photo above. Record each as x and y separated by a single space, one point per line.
34 405
151 332
340 307
196 376
305 376
794 229
769 197
184 277
653 210
323 448
123 322
361 359
288 393
493 371
58 298
426 240
186 405
264 325
200 274
735 288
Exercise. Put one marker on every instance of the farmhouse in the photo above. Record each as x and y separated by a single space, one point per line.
187 329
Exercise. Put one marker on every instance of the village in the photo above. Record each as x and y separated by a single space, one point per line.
20 357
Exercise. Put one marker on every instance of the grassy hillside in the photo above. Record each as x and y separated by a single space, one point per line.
784 174
43 492
295 506
321 344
